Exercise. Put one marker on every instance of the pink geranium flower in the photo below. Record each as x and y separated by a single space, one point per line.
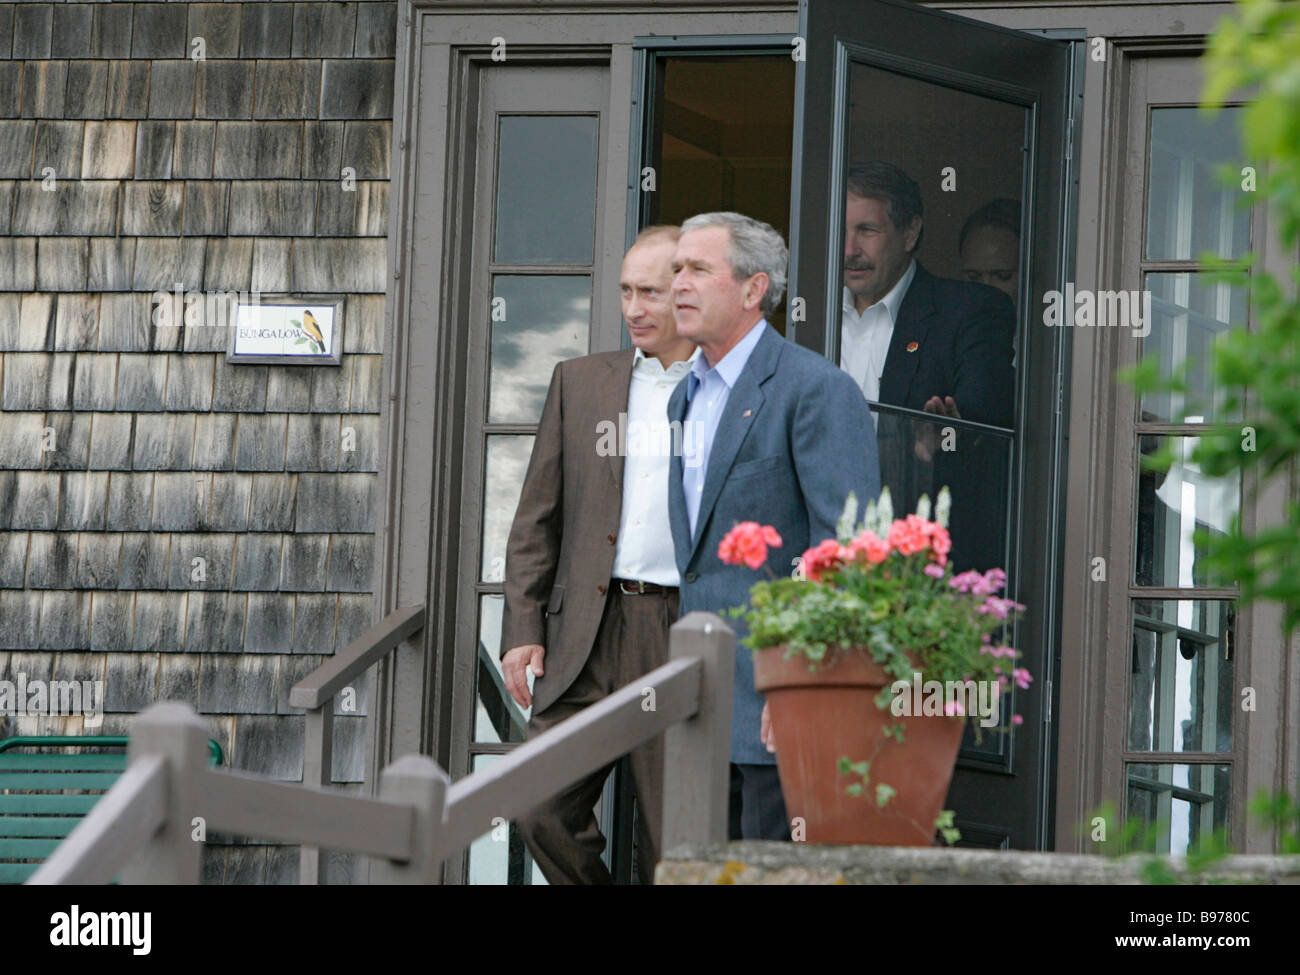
874 548
747 543
822 558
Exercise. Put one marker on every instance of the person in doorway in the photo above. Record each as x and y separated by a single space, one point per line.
989 246
774 433
591 583
915 340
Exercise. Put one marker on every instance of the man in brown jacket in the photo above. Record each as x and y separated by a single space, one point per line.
591 583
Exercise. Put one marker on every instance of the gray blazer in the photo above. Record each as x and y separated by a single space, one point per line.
794 439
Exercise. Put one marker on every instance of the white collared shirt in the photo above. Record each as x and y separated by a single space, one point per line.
644 549
865 336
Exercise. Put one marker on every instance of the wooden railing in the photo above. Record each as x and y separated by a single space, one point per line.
144 829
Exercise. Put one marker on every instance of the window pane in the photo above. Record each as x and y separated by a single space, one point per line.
507 460
501 861
1189 210
1181 679
1171 506
1188 316
537 321
546 189
1178 804
497 716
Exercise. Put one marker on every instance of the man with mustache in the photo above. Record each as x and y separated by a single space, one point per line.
926 343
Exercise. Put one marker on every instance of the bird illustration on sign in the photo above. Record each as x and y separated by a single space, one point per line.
311 331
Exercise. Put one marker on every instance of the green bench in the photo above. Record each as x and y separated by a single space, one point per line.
43 794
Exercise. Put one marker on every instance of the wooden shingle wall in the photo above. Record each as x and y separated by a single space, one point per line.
131 454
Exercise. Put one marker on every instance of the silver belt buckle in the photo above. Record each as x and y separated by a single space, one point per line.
638 588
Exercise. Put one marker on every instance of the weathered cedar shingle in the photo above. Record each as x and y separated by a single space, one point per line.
140 382
288 390
271 271
32 28
36 500
161 262
334 265
287 89
229 264
331 387
110 449
258 150
18 263
272 208
178 680
314 621
178 501
228 505
359 443
322 149
131 679
98 556
144 555
72 24
364 330
65 621
267 30
336 502
111 31
11 335
159 31
218 25
260 442
61 262
215 622
37 381
76 321
112 260
163 441
58 147
123 318
160 622
313 442
376 30
128 89
6 30
224 90
13 558
237 685
189 383
20 619
216 550
17 137
153 149
73 207
302 563
214 435
361 211
324 30
257 562
367 383
357 89
349 751
205 209
270 745
50 560
171 89
271 506
83 502
87 89
350 563
193 154
11 82
111 616
239 389
36 322
153 209
108 151
270 622
44 86
95 381
72 441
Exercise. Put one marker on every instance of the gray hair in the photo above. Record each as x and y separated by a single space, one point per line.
755 246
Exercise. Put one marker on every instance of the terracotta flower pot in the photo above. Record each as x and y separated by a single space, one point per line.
819 716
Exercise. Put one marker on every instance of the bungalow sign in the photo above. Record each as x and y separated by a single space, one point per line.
295 329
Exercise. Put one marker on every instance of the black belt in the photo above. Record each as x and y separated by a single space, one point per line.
635 587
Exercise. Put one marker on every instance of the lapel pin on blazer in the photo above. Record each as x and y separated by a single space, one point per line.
747 413
912 346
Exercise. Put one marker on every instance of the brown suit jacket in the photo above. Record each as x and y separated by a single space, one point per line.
561 549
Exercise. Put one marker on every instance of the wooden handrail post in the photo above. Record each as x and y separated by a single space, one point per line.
697 752
173 731
415 780
317 769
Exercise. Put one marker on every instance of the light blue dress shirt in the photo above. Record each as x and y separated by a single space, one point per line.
707 390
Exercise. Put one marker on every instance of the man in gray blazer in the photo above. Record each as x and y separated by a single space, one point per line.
773 433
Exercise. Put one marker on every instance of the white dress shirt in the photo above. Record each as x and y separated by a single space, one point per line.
644 549
865 336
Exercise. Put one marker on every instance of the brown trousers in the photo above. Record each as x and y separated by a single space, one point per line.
562 833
